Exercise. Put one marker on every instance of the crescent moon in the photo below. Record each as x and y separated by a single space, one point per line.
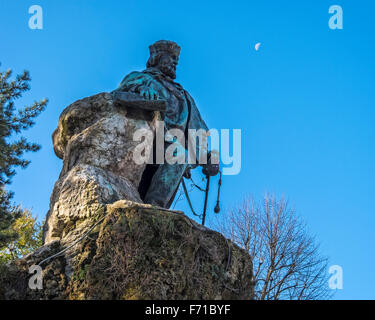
257 46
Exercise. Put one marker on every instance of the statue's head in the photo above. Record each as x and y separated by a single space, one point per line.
164 56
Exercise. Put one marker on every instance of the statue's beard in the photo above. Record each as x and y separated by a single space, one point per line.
168 69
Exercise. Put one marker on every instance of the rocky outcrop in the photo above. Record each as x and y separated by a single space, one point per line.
136 251
94 138
102 242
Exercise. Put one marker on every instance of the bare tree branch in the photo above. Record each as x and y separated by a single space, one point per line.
287 263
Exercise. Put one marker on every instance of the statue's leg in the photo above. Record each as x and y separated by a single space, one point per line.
146 179
164 184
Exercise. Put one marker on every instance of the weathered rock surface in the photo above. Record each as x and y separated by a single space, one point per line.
94 138
102 242
136 251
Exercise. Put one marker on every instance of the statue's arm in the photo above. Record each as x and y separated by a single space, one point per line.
141 83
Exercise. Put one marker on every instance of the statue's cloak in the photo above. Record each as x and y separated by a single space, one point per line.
181 113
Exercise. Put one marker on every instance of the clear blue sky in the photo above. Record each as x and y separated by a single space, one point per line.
305 101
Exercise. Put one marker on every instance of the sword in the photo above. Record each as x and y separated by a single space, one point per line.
208 173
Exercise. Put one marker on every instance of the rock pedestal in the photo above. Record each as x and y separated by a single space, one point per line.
102 242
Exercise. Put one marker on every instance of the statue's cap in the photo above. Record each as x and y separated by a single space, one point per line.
165 46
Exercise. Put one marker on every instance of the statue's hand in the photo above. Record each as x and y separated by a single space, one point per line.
187 173
212 167
148 93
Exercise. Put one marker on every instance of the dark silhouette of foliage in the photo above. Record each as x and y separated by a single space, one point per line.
12 122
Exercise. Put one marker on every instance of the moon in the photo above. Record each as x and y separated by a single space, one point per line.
257 46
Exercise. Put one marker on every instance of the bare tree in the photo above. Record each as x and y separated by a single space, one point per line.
287 264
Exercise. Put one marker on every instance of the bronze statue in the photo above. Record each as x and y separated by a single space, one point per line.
160 182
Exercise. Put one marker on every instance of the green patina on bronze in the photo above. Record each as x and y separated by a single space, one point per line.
157 83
